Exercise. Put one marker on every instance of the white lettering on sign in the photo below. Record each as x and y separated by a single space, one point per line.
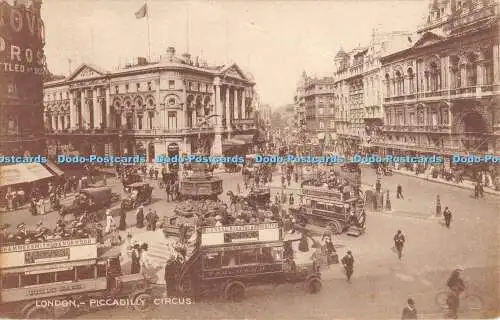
241 228
48 245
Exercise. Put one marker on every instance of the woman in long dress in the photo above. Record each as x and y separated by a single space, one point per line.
139 216
123 222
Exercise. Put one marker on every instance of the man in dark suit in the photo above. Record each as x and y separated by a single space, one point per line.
409 312
348 263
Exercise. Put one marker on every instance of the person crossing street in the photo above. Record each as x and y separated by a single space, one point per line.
447 217
348 264
399 241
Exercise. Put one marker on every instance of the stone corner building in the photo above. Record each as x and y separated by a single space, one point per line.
151 108
22 67
441 95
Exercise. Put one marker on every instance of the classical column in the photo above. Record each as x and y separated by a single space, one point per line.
83 109
97 110
480 72
243 104
72 112
60 123
194 116
496 63
235 104
52 123
124 119
228 110
463 75
108 110
217 106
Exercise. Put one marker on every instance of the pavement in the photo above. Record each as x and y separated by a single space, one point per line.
381 282
464 185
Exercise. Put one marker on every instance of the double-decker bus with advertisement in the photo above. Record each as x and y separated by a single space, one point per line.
228 259
58 278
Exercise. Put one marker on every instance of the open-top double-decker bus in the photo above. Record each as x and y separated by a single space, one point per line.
231 258
338 210
53 279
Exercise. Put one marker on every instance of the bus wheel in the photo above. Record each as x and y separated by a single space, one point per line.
142 302
313 285
336 227
235 291
39 313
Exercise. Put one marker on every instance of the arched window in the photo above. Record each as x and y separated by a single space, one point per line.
411 80
387 85
399 83
488 66
472 70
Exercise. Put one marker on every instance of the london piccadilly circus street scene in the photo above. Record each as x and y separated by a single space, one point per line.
249 159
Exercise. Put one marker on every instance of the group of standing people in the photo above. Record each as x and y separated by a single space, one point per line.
151 218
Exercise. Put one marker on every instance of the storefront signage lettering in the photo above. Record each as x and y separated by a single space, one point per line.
252 227
22 40
225 272
53 290
244 236
48 245
31 257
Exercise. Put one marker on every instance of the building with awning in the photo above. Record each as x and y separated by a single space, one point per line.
238 142
54 169
231 144
22 173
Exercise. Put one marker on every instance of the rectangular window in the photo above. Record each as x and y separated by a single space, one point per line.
249 256
101 270
271 255
29 280
117 89
171 84
138 85
10 280
85 272
172 120
49 277
212 261
150 87
230 259
126 87
66 275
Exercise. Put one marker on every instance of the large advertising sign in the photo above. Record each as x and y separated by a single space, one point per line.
47 252
240 234
22 38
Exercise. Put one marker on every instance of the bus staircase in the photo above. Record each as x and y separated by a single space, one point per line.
160 251
360 213
188 272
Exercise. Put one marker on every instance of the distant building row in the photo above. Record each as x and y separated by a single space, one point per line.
436 91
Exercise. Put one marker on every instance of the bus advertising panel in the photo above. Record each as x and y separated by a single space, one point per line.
47 252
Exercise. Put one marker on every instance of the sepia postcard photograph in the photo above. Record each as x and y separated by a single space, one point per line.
249 159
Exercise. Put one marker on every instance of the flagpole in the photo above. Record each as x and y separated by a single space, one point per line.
147 22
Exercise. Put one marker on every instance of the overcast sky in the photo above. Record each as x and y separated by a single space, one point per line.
274 40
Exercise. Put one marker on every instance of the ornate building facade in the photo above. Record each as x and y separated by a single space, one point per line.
441 96
314 109
22 66
175 105
358 102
